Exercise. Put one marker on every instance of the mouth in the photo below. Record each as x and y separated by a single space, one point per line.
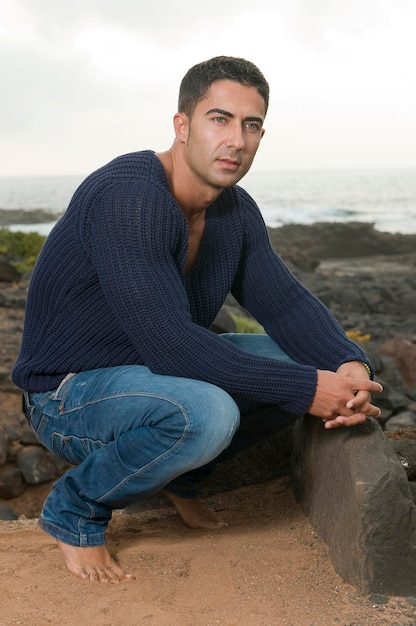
231 164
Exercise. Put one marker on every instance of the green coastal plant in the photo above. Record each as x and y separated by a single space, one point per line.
20 249
247 325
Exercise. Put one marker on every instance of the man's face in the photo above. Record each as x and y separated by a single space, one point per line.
223 135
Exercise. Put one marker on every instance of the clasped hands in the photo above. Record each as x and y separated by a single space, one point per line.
343 398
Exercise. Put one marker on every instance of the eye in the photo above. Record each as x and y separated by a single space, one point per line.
219 119
253 126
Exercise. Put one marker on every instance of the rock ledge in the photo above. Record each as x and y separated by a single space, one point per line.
355 492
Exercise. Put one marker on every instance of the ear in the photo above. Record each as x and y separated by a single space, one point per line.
181 126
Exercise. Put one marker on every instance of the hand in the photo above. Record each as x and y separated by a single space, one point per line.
343 398
356 370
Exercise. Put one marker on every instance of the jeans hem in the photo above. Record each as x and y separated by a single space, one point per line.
72 539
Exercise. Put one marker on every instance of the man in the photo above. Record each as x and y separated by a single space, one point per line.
121 375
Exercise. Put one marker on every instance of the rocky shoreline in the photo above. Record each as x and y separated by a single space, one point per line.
14 217
368 280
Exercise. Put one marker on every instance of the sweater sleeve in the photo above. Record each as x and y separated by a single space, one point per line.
140 273
298 321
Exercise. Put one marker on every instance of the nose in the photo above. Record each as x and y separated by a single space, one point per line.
236 137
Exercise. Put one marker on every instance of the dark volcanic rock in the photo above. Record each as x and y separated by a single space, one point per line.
11 482
356 493
6 513
403 352
405 450
4 445
22 216
36 464
8 273
330 240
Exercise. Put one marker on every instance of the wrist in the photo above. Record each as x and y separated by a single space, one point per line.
367 368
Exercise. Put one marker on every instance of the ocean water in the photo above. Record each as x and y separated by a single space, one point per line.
386 198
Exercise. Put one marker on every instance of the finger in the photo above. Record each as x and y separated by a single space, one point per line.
370 385
333 423
366 408
361 404
372 411
343 420
360 399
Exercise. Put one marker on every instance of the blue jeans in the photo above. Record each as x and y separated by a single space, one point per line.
130 433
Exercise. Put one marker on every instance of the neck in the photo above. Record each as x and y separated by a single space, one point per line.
191 194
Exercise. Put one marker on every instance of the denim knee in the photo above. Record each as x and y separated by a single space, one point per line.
214 419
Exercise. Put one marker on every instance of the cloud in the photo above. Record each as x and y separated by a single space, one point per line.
165 22
83 81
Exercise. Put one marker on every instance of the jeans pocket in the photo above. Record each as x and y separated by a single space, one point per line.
61 391
73 449
35 405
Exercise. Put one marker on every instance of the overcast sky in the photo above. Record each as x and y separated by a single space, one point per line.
83 81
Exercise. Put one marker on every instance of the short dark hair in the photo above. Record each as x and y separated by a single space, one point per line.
197 81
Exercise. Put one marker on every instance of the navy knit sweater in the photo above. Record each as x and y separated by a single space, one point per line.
109 289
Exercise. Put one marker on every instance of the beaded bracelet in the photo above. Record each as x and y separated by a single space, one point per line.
367 367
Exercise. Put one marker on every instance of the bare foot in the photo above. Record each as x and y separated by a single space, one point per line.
93 564
193 514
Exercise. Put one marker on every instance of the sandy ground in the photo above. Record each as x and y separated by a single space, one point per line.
268 568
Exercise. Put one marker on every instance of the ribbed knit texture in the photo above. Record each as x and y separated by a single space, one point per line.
108 289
